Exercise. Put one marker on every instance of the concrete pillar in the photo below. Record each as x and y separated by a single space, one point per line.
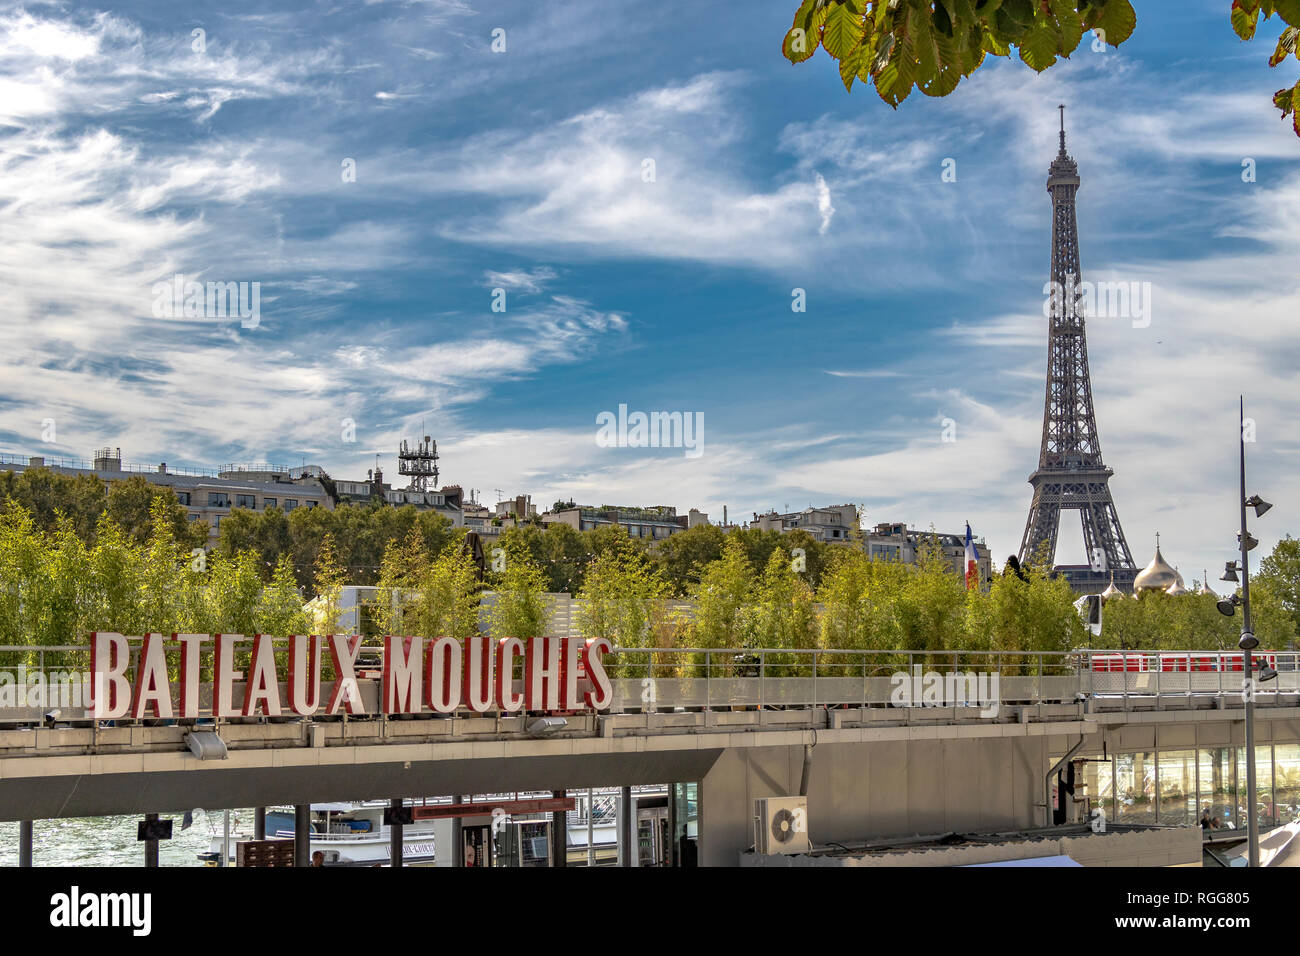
225 839
302 834
259 823
672 826
395 831
457 843
626 830
151 845
559 834
442 843
25 843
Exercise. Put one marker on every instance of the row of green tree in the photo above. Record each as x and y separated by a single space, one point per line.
859 604
55 588
363 533
61 577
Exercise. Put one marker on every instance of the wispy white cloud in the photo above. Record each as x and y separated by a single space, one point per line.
100 197
530 281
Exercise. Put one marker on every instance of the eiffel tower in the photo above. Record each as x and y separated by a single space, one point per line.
1071 474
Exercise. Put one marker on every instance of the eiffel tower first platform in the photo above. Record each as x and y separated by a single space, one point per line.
1071 474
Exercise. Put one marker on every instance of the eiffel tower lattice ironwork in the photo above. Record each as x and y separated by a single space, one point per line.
1071 474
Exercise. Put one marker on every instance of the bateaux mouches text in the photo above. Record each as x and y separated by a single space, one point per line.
419 675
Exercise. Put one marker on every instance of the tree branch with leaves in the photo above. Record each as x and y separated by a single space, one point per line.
931 45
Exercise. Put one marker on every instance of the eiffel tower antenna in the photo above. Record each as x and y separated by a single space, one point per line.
1071 474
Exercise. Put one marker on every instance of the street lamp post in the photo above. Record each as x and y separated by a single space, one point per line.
1247 645
1248 642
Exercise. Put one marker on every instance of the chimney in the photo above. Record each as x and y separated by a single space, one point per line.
108 459
162 468
36 462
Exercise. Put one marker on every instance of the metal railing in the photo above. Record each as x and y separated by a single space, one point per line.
82 464
706 679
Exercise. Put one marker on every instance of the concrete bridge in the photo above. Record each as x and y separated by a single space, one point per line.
880 765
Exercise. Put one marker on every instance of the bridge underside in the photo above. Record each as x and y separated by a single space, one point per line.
107 794
876 771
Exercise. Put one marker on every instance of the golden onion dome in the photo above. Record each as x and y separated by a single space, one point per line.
1176 589
1159 575
1111 591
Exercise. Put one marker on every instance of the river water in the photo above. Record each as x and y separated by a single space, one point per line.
109 841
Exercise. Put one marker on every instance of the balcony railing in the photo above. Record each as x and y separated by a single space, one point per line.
656 680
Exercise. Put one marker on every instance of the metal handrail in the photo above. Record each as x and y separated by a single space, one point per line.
1077 653
832 677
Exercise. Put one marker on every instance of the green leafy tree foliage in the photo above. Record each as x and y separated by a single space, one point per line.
930 45
559 550
565 554
55 590
233 594
60 605
130 503
1156 621
280 608
520 609
1022 617
760 545
816 554
783 616
328 580
160 573
424 597
21 567
448 598
113 581
845 596
931 606
400 572
860 600
1280 574
723 599
44 494
264 532
81 499
361 535
622 599
684 555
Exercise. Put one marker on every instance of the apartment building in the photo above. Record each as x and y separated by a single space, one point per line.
653 523
211 495
206 495
831 524
894 541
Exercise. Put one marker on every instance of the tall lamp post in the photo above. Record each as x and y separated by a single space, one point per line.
1248 642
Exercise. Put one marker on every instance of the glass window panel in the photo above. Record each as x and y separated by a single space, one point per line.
1135 788
1177 788
1286 782
1217 769
1099 788
687 797
1263 785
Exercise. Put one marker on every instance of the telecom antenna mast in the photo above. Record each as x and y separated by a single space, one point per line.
420 463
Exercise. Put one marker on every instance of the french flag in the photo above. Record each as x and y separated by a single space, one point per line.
972 561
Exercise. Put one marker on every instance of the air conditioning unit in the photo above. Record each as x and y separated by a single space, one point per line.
781 825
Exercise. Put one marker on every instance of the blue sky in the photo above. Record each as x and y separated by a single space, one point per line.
126 157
